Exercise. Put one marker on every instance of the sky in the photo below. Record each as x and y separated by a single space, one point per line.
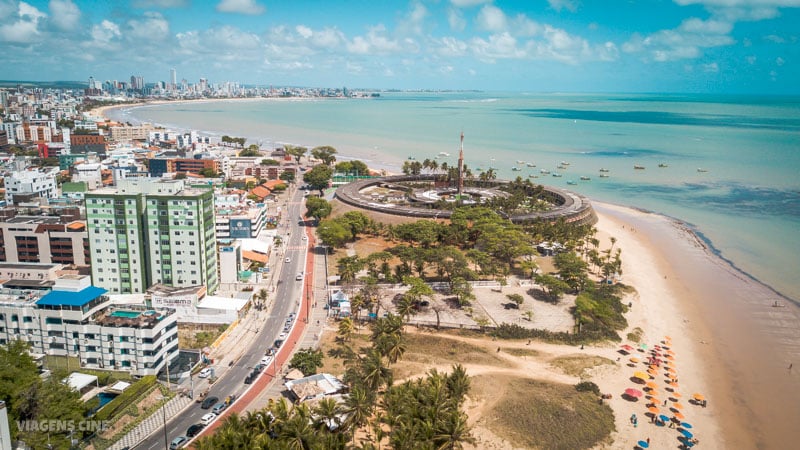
680 46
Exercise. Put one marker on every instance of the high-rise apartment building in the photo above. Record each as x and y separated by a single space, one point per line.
149 231
173 79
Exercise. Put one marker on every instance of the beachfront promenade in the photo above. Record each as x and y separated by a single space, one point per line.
572 207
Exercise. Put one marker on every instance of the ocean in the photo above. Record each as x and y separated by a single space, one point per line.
730 164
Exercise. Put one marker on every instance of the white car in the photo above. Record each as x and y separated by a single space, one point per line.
205 373
266 360
287 260
208 418
282 336
299 277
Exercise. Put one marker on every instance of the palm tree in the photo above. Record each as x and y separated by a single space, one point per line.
375 373
458 383
452 431
348 267
328 414
406 307
358 405
392 347
346 329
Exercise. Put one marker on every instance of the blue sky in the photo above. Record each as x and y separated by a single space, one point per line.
714 46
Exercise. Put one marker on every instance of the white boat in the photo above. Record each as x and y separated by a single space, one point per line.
533 176
604 175
444 154
520 162
638 167
516 169
531 165
556 174
604 170
544 171
662 165
702 170
585 178
561 166
572 183
564 163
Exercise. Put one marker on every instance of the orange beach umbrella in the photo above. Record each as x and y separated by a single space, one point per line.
654 409
678 415
677 405
634 359
699 397
653 385
641 375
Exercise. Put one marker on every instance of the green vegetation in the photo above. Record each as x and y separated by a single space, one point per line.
307 361
324 153
319 177
318 208
130 396
422 414
537 414
28 397
355 167
234 140
576 365
635 335
297 152
251 150
269 162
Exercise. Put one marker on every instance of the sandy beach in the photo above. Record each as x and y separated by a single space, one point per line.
731 343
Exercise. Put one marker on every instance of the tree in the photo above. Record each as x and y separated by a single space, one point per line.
516 299
208 172
462 290
286 176
348 267
552 287
252 150
318 177
324 153
346 329
318 208
269 162
307 361
297 152
572 269
333 233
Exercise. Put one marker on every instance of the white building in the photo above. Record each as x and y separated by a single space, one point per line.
77 319
89 173
31 183
230 262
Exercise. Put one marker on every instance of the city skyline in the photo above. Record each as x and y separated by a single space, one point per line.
713 46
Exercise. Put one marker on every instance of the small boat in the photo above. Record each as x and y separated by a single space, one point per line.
561 166
520 162
533 176
516 169
604 175
638 167
444 154
492 168
572 183
604 170
411 158
556 174
662 165
544 171
585 178
702 170
531 165
564 163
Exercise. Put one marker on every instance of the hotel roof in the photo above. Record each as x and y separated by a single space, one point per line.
68 298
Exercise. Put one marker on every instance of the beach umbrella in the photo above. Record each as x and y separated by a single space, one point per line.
643 444
627 347
678 415
667 338
686 433
677 394
670 357
631 392
641 375
698 397
677 405
663 418
686 425
651 384
634 359
654 409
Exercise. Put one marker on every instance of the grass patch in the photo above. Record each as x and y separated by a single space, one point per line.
199 336
433 349
635 335
521 352
576 365
537 414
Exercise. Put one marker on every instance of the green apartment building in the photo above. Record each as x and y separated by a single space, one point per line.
149 231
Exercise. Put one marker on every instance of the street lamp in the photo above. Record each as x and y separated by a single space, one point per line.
164 415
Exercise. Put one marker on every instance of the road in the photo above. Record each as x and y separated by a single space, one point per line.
288 292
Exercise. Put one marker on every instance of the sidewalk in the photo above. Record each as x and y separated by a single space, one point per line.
155 422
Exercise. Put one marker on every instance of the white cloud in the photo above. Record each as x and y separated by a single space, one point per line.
751 59
468 3
711 68
775 38
492 18
159 3
65 14
780 61
249 7
498 46
105 31
558 5
450 46
304 31
687 41
413 22
456 19
26 28
151 27
375 42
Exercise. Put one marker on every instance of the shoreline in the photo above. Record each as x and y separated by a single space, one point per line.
707 306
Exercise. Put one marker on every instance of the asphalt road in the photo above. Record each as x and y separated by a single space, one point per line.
287 295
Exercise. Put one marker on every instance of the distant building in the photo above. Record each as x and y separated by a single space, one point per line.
88 143
44 239
130 133
25 185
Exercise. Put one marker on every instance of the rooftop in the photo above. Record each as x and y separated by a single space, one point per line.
67 298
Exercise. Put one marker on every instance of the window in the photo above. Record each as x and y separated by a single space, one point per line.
14 318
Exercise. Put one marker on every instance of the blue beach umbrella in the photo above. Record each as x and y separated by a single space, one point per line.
686 425
643 444
663 418
686 433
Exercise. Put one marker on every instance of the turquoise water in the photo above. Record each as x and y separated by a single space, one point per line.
745 202
126 314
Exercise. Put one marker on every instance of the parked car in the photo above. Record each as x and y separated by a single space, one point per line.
209 402
259 367
205 373
278 343
218 408
287 260
299 277
194 430
208 418
282 336
248 379
266 360
178 442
